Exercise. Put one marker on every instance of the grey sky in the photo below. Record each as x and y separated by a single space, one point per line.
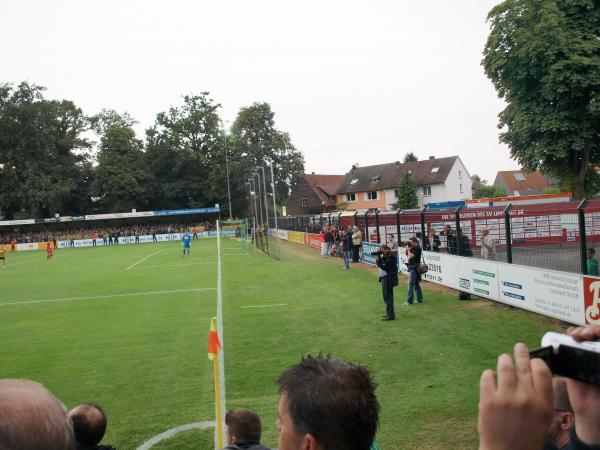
350 81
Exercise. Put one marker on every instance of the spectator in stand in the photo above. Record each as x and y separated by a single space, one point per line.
89 425
592 262
516 404
465 244
345 248
488 245
31 418
356 243
326 404
413 252
243 430
432 243
557 437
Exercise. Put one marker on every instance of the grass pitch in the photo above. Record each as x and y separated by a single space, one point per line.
126 326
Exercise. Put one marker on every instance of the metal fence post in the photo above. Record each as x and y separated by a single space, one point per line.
377 227
458 230
329 219
508 233
368 239
582 236
398 226
423 235
339 221
356 218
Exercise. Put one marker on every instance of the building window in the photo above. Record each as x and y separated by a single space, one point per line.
426 191
434 169
351 197
460 187
460 174
375 179
519 176
371 195
354 181
304 203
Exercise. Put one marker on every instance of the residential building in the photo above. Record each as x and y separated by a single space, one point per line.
519 182
375 187
315 194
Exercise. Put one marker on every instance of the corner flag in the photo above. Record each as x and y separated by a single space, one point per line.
214 345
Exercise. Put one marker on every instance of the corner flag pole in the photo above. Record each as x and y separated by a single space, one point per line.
214 345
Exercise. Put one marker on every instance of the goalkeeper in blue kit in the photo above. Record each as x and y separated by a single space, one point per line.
187 242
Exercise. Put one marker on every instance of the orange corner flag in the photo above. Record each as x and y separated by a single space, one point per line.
213 340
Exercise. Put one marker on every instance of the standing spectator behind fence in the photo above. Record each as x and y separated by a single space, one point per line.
592 262
323 244
345 248
414 252
450 239
328 241
432 243
488 245
356 243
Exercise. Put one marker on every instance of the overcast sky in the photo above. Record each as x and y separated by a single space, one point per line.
352 82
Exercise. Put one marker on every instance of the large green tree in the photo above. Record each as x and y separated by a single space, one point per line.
410 157
122 181
543 57
254 141
44 156
182 147
484 191
407 193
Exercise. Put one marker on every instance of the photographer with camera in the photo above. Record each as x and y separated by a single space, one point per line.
388 277
516 403
414 252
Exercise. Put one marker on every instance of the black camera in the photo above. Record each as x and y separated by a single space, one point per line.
377 253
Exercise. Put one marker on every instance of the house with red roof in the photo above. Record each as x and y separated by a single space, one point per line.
315 194
376 187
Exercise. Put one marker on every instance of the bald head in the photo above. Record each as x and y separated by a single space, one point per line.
89 423
31 418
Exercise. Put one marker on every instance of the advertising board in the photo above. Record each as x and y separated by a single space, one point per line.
312 240
296 236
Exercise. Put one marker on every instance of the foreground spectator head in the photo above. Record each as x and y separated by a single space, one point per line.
326 403
31 418
243 429
591 253
562 420
89 423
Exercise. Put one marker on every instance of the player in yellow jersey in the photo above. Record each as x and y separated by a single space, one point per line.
3 256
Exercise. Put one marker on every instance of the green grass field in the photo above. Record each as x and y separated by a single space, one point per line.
126 327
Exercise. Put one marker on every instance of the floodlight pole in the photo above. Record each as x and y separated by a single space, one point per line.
265 193
227 170
274 204
259 195
253 185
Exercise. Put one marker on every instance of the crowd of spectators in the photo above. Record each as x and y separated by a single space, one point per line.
327 403
32 233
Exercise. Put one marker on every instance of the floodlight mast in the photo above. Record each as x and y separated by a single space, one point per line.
274 204
225 132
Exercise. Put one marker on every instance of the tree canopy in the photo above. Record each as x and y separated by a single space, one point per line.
49 164
410 157
544 60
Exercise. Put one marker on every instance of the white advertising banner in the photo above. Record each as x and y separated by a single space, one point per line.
282 234
554 294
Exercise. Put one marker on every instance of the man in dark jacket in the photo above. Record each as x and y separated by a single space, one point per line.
388 277
432 241
243 430
450 239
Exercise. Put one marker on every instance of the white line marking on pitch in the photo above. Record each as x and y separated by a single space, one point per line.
265 306
144 259
94 297
176 265
173 431
235 254
220 331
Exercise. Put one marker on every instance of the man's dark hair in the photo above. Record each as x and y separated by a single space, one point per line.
89 423
591 251
333 400
381 247
245 425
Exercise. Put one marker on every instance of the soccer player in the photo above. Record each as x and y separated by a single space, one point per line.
2 256
49 251
187 242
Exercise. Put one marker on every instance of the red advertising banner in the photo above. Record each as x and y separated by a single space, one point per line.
591 295
312 240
